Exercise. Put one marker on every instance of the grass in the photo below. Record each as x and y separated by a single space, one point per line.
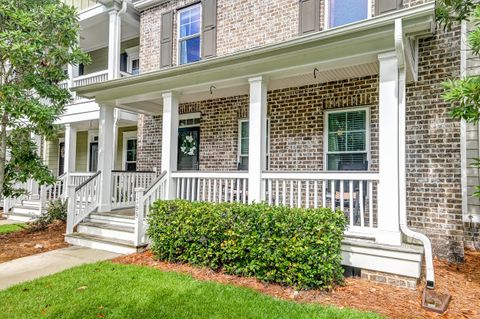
107 290
10 228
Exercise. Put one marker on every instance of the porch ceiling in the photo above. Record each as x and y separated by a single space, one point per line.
94 25
344 52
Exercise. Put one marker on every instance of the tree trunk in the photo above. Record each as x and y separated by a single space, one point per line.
3 150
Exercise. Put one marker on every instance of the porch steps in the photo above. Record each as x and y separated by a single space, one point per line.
25 211
112 231
103 243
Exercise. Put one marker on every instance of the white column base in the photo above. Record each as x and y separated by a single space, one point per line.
392 238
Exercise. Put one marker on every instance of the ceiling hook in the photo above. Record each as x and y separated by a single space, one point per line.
315 73
211 89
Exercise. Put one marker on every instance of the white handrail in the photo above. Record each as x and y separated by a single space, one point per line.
337 175
144 199
82 200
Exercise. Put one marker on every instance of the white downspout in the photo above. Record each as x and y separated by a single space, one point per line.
399 48
124 8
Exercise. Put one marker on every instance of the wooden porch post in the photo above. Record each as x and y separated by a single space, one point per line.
105 156
170 140
388 187
114 43
70 148
257 137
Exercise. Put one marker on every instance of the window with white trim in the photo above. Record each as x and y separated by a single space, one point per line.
340 12
243 135
133 60
347 139
189 31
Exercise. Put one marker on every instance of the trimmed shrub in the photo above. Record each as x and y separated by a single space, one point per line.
56 211
289 246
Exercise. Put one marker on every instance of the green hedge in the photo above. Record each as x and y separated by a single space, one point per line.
294 247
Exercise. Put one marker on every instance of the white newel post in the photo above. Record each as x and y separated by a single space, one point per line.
105 156
170 141
114 42
257 137
70 208
70 153
388 188
139 215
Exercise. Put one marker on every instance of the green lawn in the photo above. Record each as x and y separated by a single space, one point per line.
107 290
10 228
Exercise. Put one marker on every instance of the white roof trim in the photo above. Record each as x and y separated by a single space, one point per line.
147 4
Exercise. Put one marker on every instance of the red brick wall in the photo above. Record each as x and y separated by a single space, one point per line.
433 148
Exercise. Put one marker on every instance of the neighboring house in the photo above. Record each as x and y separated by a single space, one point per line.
333 103
110 35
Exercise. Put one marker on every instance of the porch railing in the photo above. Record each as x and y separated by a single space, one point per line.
124 185
212 186
144 199
354 193
57 190
82 200
92 78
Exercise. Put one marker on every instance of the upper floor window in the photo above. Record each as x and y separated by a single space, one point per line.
341 12
189 26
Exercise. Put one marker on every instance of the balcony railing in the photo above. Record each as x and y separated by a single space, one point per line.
92 78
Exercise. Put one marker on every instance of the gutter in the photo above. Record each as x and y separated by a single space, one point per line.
400 50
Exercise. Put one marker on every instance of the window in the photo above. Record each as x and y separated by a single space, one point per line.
347 139
243 134
189 26
130 151
133 60
341 12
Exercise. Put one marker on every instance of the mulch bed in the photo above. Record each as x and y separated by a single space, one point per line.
461 281
23 243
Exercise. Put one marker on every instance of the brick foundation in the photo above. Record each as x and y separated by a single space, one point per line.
390 279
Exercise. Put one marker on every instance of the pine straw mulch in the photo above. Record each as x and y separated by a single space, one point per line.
461 281
24 243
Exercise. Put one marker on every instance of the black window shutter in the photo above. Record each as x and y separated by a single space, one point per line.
309 16
166 38
123 62
209 28
384 6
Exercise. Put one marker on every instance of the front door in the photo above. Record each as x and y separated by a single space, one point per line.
188 148
61 158
93 160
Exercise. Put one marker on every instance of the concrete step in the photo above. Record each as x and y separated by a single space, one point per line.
21 217
107 230
112 218
25 210
30 203
98 242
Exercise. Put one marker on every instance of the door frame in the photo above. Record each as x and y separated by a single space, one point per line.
60 141
189 128
92 134
128 135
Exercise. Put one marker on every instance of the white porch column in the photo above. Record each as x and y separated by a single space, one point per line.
257 137
388 188
114 43
115 138
170 140
70 148
105 156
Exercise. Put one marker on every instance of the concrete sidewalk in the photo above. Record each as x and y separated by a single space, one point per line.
9 221
32 267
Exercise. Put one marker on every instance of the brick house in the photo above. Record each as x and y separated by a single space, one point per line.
309 103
